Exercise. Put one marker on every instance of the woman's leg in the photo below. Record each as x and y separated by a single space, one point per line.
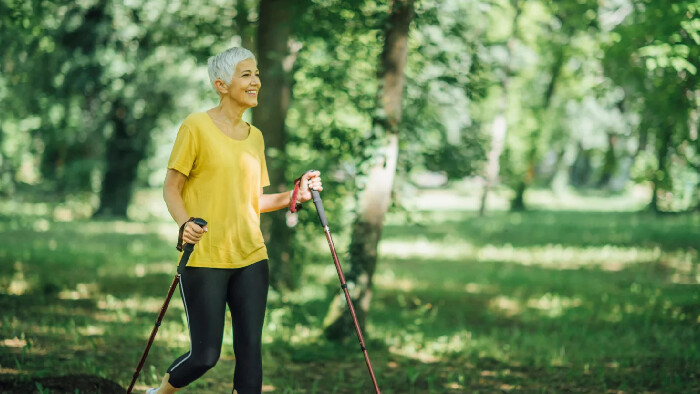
165 386
247 298
203 293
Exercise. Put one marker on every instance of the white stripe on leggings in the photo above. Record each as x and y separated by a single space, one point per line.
182 292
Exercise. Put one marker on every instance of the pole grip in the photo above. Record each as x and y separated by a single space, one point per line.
319 207
189 248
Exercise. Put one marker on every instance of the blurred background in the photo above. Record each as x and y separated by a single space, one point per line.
514 187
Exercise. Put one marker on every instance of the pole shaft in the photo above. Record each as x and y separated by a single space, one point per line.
187 251
344 286
154 332
324 222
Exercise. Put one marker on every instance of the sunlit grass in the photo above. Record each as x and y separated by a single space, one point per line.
512 301
561 257
465 196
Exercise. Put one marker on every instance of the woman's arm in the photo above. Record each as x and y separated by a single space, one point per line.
274 202
172 194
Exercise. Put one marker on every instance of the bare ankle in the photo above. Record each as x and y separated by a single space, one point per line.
165 386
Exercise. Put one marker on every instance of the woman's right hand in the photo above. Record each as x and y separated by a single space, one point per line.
193 233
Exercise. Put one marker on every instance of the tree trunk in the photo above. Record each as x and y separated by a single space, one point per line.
609 163
558 171
662 157
375 198
275 63
581 168
7 177
125 150
518 202
246 28
693 126
499 127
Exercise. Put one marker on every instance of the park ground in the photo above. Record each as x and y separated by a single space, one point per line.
580 294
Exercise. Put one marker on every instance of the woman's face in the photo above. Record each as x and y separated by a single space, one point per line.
245 84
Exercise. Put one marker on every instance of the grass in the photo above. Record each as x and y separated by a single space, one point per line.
541 301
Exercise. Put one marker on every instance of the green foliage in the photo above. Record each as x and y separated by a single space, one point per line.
564 74
456 160
654 55
71 71
77 67
444 76
335 89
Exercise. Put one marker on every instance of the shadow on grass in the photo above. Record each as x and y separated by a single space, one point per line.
79 301
70 384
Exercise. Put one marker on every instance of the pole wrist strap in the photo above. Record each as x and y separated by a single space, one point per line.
182 230
294 205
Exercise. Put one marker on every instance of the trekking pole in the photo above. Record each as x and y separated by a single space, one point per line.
180 267
324 222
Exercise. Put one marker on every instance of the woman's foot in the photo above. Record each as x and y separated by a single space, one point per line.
165 387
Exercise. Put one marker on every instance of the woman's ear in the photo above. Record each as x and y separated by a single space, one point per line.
221 86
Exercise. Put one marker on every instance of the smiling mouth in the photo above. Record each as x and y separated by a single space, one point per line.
252 92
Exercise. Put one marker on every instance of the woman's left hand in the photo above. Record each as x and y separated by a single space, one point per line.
310 180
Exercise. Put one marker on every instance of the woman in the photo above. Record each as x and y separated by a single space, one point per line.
217 171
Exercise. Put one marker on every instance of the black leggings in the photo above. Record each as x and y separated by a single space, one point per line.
205 293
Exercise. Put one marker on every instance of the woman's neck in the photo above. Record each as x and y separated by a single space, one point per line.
229 112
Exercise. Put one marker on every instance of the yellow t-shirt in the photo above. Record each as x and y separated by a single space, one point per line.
224 177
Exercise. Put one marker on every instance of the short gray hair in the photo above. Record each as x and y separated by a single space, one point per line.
223 65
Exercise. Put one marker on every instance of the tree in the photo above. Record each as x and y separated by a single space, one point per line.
247 29
276 59
499 125
93 81
53 86
445 76
551 36
147 89
375 198
654 55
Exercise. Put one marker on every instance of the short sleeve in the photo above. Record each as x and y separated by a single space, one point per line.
264 177
184 151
